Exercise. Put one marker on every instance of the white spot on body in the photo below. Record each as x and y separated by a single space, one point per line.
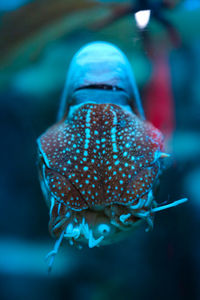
87 130
113 132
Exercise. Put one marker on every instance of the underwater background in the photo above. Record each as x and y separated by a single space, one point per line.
37 42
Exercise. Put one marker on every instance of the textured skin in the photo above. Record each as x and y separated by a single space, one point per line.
99 156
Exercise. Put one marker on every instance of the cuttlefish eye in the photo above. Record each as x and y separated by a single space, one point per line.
103 229
100 162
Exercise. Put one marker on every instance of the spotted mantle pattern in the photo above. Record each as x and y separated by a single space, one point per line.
100 155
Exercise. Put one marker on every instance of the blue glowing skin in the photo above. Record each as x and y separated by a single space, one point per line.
101 63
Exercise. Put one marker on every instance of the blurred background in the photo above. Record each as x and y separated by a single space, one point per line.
37 41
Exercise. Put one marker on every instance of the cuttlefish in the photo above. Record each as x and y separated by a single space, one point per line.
100 162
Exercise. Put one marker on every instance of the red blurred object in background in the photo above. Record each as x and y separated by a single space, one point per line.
158 98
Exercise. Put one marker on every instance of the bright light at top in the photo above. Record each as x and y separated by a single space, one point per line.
142 18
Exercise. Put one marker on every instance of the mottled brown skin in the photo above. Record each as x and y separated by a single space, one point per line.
97 164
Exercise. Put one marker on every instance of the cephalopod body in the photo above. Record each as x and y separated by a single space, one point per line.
100 162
